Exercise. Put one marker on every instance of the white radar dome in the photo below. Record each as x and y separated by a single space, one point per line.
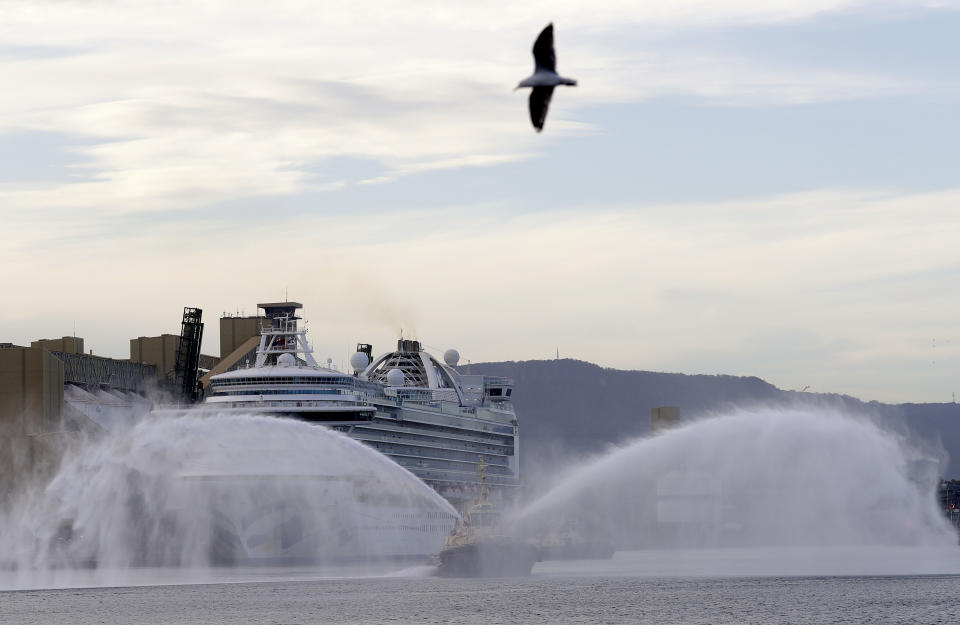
359 361
286 360
451 357
395 377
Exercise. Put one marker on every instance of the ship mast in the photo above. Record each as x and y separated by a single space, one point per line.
481 481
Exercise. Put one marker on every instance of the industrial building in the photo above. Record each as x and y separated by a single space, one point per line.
54 389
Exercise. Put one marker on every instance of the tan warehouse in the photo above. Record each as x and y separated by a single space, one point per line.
37 384
53 389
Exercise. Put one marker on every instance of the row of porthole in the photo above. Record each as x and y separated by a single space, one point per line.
419 456
467 447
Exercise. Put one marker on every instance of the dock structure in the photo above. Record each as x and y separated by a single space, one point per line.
188 355
91 371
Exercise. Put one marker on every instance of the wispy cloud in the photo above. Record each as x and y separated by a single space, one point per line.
207 102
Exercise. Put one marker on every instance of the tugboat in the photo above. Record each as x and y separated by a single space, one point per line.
478 547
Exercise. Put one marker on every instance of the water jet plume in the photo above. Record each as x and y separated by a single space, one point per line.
763 477
195 491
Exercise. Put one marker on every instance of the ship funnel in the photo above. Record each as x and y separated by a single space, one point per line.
407 346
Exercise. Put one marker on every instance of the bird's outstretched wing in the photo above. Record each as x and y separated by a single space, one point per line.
544 56
539 103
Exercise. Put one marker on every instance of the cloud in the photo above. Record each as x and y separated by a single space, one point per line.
837 289
199 103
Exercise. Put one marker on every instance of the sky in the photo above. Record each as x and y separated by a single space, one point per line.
734 187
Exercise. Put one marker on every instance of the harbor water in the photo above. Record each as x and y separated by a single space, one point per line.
657 587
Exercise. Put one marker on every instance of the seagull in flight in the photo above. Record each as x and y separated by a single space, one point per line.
544 77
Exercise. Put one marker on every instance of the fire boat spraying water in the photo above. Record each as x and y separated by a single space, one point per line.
478 546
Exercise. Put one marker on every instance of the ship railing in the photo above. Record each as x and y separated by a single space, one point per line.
454 409
285 325
446 407
291 331
306 403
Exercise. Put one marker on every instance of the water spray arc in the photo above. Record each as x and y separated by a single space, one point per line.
199 491
755 478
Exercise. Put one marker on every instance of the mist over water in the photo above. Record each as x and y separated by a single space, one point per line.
771 491
194 491
772 478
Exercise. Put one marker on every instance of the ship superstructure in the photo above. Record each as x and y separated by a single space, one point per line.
407 404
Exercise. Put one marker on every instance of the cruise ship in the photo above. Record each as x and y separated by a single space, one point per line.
422 413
